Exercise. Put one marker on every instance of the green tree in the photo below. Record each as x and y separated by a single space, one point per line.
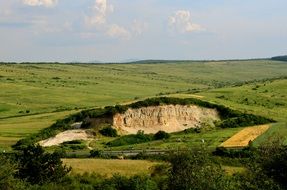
194 170
38 167
7 171
137 182
268 167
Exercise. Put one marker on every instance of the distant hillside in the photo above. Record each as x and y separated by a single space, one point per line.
280 58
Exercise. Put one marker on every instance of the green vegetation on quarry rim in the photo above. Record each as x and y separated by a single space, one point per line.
33 96
228 118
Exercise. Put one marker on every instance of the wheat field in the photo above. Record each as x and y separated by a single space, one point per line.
110 167
243 137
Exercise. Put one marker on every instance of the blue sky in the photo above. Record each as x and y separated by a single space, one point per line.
118 30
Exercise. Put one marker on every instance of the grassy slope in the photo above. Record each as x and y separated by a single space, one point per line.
46 88
211 139
267 99
37 88
13 129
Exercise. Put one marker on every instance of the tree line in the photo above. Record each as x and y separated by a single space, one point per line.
265 168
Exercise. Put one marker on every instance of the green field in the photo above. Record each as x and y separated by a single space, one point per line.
211 139
42 88
266 98
32 96
110 167
14 128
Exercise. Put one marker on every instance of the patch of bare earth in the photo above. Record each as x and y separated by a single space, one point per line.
69 135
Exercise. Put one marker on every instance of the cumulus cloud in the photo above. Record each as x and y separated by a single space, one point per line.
181 21
97 19
100 10
117 31
138 27
46 3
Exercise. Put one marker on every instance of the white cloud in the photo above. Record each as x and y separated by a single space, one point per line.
117 31
138 27
97 22
100 10
5 11
46 3
181 21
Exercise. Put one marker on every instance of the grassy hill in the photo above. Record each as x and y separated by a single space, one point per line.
32 96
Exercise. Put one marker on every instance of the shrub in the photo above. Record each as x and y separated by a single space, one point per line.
234 153
243 120
271 159
73 142
7 172
137 182
109 132
161 135
95 153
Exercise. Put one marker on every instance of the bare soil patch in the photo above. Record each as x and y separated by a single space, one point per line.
69 135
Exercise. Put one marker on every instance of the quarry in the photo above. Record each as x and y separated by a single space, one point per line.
168 118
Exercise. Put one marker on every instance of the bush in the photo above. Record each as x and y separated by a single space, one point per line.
7 172
243 120
161 135
73 142
234 153
109 132
73 145
271 160
95 153
137 182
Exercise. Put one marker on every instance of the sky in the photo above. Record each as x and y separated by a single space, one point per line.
125 30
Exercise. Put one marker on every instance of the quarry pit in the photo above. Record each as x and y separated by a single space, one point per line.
168 118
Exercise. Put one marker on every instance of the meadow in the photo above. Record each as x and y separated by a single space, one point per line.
33 96
263 98
212 139
110 167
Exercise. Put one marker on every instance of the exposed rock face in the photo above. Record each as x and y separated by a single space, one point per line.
169 118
